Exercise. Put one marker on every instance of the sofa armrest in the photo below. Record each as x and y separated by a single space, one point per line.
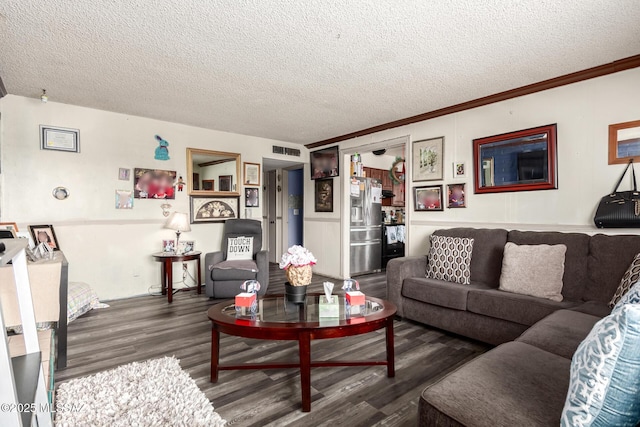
211 259
262 259
399 269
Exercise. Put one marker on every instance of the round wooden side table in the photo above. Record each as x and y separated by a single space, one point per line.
167 259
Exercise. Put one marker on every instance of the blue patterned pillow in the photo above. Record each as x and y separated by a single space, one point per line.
631 297
605 374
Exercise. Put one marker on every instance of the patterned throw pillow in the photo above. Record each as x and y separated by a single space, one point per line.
631 276
450 259
631 297
605 374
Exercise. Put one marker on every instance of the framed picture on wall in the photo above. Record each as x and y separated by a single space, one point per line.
324 195
428 198
153 184
325 163
44 234
59 139
459 169
456 196
251 197
624 142
428 159
225 183
251 173
214 209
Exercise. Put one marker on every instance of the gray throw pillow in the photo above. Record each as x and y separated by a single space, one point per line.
450 259
631 276
534 270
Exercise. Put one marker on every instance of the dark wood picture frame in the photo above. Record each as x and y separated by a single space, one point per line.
325 163
252 197
49 231
626 146
225 183
423 200
324 195
526 160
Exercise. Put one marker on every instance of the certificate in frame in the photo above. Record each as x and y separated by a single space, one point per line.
59 139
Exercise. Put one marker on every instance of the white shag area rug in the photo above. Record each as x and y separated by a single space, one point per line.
151 393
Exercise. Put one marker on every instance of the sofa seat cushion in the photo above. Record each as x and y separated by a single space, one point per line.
522 309
594 308
514 384
438 292
560 333
234 270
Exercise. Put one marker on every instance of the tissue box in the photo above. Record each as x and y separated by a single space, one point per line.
329 308
355 298
245 299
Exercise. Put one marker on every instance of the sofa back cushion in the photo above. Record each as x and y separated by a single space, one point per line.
609 259
488 247
575 261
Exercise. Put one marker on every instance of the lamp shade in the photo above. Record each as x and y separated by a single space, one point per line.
178 221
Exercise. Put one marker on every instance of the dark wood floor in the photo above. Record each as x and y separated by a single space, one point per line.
148 327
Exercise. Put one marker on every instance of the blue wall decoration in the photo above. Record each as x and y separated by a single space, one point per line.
162 152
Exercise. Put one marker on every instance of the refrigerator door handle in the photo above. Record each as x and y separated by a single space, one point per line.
367 243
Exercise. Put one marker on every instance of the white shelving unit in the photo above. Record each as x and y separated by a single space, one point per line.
25 387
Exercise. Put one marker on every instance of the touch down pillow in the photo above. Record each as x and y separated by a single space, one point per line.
534 270
450 259
239 248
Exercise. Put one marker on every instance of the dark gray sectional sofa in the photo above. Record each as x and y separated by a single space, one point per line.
525 379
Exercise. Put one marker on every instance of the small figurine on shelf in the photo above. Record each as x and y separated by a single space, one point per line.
180 183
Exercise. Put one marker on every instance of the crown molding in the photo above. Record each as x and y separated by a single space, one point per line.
589 73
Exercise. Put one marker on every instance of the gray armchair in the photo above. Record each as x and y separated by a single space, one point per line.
223 277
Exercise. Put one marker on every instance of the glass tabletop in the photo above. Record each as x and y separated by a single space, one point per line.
277 309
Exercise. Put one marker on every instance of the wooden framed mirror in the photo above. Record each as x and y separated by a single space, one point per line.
213 173
517 161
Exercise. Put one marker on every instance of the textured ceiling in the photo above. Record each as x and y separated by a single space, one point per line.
300 71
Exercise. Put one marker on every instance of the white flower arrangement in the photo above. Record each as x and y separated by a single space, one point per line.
297 256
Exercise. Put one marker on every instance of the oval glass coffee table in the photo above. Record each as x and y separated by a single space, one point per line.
278 319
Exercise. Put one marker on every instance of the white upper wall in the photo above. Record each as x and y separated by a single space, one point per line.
583 111
108 248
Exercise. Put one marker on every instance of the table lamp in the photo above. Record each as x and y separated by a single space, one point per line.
179 222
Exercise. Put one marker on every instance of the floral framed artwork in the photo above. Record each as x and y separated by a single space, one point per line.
44 234
456 197
251 197
427 198
214 209
251 173
324 195
624 142
428 159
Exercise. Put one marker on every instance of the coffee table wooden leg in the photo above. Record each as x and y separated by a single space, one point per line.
391 370
304 341
215 354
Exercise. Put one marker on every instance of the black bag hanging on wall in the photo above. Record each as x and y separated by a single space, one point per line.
620 209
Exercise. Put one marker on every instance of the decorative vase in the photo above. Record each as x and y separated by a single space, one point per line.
299 275
295 294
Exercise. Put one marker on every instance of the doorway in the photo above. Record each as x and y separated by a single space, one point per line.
283 213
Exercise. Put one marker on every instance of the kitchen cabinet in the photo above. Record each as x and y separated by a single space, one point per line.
398 195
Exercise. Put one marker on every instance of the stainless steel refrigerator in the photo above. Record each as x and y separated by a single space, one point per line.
366 225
